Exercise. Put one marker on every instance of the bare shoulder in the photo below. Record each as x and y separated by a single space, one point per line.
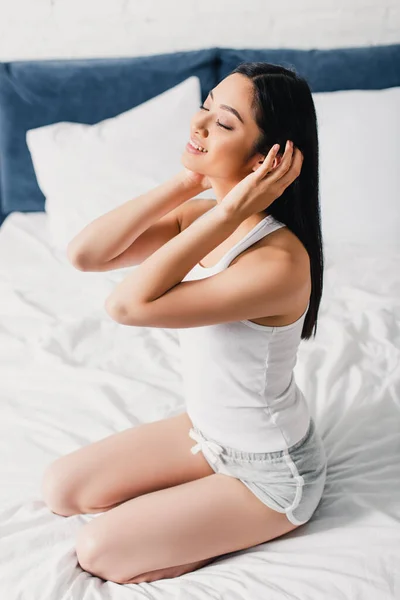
284 246
285 241
193 209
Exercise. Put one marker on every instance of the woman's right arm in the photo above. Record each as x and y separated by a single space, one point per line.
114 240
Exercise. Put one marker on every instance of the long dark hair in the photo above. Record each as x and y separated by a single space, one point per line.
284 110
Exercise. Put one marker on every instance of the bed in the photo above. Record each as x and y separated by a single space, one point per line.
70 375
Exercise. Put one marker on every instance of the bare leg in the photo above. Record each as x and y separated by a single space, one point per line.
125 465
170 572
173 531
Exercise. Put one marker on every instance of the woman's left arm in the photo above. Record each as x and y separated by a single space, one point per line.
168 265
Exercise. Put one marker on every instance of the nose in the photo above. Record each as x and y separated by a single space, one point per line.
200 133
199 126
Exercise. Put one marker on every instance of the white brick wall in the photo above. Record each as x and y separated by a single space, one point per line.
31 29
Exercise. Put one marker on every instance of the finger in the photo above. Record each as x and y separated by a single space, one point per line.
276 174
295 169
284 166
268 162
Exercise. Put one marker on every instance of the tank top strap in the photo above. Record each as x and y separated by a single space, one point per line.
268 225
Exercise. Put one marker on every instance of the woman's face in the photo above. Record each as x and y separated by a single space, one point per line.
227 137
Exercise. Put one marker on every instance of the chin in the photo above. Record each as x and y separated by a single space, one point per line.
191 163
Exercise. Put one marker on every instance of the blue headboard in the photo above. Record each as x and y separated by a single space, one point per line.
40 92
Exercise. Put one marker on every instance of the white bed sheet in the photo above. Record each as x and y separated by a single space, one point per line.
69 376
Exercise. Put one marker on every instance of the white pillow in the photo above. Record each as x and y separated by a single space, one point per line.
359 145
85 171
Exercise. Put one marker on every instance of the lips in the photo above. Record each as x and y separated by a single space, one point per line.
198 143
192 139
192 150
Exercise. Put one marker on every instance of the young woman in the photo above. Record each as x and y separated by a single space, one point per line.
240 278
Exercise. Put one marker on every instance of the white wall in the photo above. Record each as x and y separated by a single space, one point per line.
32 29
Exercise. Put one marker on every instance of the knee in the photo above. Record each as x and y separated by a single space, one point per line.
93 554
57 490
87 550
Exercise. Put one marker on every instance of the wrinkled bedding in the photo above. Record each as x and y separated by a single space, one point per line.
69 375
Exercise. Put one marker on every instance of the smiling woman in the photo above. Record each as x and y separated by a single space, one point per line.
254 107
240 315
240 320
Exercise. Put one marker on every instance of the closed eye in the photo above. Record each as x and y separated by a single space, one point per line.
218 123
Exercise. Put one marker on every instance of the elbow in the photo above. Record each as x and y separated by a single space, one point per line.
76 259
81 262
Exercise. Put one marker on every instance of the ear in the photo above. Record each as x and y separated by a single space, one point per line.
276 162
259 162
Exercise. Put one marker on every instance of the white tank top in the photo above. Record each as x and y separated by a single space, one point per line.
238 379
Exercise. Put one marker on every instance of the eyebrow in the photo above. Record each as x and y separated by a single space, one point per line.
232 110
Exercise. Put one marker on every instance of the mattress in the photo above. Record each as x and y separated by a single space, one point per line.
70 376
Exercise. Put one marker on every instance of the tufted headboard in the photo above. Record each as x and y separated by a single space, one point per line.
40 92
